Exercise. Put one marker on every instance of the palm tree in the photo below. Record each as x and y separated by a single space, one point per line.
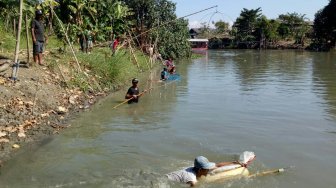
246 24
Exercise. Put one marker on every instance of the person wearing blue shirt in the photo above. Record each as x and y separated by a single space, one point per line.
164 74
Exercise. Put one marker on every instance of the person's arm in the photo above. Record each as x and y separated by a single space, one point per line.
33 32
130 95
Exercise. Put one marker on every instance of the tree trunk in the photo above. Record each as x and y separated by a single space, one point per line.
17 48
27 36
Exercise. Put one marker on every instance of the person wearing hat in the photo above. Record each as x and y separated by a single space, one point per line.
201 168
133 92
37 30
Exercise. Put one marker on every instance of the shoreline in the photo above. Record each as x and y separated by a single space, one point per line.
38 105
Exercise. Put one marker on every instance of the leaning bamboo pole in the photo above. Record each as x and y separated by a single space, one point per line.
133 54
130 34
67 39
72 50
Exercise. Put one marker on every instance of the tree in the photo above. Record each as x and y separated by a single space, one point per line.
114 17
222 27
155 20
266 31
245 24
9 11
173 40
204 30
293 26
325 26
143 11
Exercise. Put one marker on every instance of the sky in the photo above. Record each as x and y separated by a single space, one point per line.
229 10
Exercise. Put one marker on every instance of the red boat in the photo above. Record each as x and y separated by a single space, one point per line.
199 45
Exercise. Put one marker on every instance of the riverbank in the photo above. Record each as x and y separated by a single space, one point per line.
44 98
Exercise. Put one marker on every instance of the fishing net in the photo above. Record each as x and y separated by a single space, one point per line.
174 77
244 159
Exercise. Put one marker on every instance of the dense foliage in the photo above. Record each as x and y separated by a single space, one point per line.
325 27
139 20
154 23
254 30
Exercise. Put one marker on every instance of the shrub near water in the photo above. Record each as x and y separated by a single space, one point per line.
109 70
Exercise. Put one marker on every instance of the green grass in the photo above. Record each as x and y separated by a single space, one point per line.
111 71
99 67
7 40
196 56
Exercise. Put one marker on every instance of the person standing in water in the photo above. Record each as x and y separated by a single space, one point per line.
170 65
164 74
133 93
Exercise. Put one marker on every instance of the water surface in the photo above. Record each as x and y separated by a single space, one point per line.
279 104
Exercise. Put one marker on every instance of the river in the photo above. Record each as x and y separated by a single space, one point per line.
279 104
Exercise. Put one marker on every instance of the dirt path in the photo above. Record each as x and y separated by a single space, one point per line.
36 106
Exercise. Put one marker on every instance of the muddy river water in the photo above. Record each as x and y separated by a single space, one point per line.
279 104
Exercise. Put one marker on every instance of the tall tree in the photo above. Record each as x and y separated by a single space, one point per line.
143 9
245 24
173 41
325 26
266 31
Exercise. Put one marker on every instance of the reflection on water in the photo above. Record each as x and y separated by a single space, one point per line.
279 104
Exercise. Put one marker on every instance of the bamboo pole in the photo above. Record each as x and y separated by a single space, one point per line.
269 172
130 40
67 39
133 54
17 48
131 98
27 36
72 50
147 90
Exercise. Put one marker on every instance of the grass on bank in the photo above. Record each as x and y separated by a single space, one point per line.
100 70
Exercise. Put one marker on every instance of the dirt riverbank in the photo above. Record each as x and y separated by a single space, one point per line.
36 106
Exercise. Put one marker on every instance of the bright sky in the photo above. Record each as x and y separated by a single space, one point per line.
229 10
